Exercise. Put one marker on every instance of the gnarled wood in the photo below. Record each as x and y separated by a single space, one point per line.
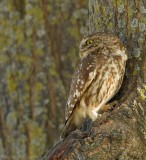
118 133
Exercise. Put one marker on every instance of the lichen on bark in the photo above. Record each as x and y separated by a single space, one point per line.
121 132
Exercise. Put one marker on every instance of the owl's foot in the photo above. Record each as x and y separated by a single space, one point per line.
107 107
87 125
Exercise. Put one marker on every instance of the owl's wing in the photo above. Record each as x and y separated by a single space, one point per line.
82 78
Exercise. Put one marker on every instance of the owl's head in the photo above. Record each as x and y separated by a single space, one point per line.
97 41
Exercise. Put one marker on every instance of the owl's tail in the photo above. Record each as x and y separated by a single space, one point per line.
69 126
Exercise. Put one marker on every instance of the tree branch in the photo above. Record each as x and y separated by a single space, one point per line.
119 133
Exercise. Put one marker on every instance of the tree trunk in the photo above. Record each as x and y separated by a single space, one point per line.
121 132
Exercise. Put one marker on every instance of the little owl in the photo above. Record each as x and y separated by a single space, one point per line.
96 80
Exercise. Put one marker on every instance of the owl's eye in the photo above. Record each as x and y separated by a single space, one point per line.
89 41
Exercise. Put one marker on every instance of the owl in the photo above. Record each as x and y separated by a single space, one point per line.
96 80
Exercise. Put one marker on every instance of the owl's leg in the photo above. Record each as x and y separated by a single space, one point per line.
107 107
87 125
92 114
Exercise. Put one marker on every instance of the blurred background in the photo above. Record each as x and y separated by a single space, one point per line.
39 42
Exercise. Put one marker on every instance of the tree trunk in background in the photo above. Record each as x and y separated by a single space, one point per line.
121 132
38 53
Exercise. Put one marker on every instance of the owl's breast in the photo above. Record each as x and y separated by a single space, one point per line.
105 85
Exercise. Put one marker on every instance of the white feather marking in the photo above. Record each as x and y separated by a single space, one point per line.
77 93
94 115
90 66
91 75
78 81
72 106
122 54
82 82
69 111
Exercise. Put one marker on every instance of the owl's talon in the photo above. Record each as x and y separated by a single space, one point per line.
108 107
113 103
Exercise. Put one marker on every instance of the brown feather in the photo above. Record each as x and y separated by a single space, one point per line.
96 80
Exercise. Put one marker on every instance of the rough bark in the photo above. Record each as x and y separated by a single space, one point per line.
121 132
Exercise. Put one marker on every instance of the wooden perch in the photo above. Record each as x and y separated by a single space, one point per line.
114 135
119 133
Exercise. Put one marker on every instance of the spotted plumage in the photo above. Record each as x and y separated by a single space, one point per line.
96 80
